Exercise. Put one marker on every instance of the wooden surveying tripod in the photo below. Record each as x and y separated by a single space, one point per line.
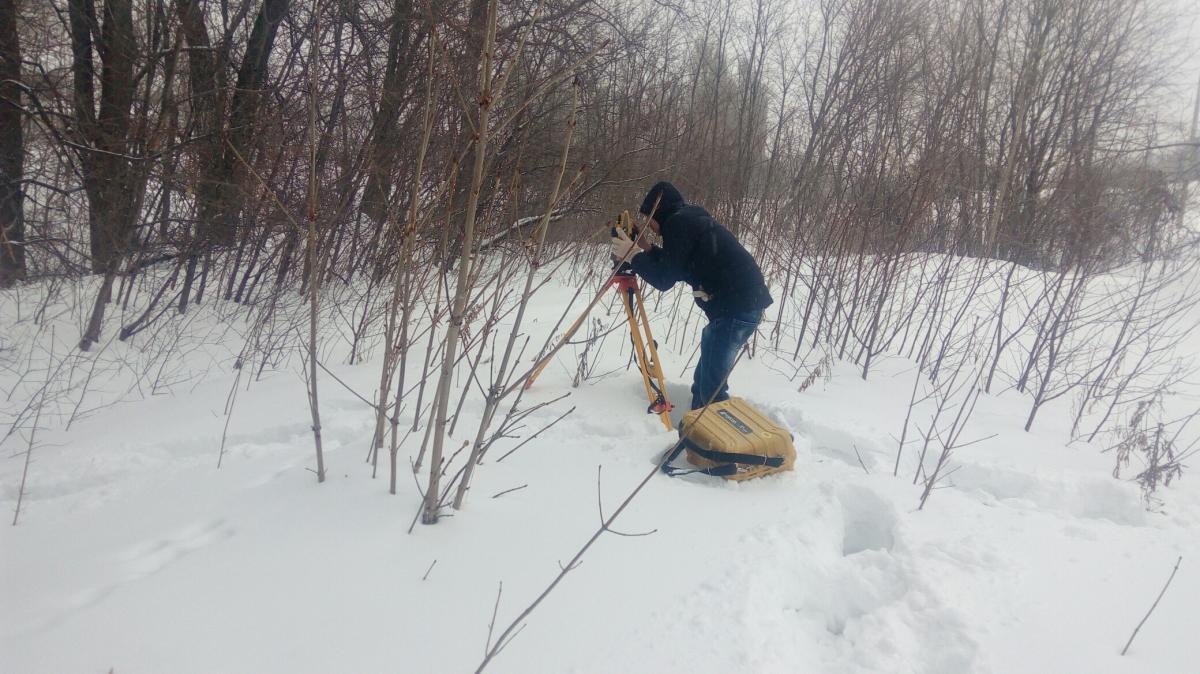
645 349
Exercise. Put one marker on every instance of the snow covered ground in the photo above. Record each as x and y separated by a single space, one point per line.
135 554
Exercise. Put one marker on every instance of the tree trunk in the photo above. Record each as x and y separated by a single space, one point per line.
106 165
206 109
429 513
12 151
313 241
219 195
384 147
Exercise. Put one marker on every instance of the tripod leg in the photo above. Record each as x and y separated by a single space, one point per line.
561 340
639 348
653 366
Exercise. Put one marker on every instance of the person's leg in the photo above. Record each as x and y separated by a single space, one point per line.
702 385
719 345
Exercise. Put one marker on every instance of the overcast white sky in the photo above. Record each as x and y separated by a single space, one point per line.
1179 108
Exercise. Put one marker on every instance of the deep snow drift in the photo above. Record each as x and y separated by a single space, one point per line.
135 554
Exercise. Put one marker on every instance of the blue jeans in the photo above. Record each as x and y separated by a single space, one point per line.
720 342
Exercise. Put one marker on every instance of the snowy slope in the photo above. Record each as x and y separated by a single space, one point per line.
135 553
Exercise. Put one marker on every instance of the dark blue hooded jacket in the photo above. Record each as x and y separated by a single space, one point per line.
699 251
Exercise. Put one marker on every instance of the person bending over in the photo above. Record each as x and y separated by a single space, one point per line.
726 282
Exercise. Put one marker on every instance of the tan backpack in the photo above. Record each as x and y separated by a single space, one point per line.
731 439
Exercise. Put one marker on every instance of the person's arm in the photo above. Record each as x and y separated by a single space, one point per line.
656 267
664 267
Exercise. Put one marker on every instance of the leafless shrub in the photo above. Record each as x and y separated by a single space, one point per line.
1156 445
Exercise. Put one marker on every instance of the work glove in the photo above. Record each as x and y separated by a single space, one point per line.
701 295
621 245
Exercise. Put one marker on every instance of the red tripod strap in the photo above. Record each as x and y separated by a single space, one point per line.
625 282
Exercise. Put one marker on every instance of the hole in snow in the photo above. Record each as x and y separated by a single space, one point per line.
869 522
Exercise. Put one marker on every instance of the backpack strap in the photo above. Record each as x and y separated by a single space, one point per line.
729 461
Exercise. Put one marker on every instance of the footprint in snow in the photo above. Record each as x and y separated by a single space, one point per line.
150 557
146 559
868 521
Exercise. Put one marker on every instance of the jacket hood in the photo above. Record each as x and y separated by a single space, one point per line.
669 201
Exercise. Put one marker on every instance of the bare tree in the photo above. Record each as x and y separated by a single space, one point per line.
12 150
312 242
453 330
